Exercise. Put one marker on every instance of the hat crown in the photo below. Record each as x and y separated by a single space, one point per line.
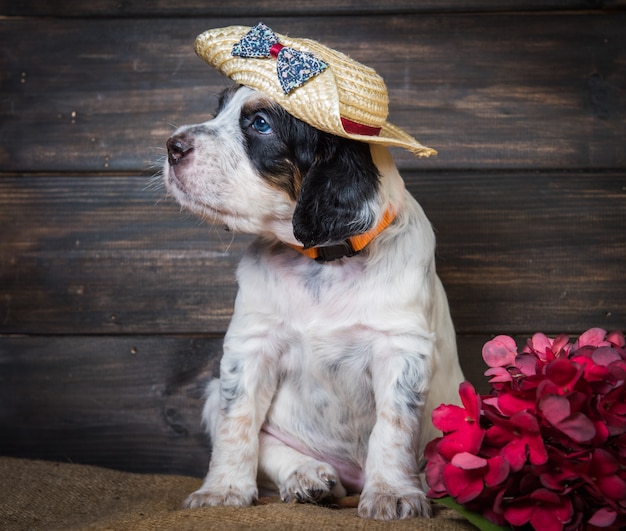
361 92
346 98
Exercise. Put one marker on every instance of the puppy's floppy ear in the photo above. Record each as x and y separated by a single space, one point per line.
338 195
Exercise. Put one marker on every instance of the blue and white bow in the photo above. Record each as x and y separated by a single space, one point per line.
293 67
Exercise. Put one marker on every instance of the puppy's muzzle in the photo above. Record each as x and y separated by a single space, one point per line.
178 148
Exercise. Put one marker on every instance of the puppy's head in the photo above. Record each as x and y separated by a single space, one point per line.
257 169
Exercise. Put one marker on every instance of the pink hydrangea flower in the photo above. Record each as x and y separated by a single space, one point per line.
547 447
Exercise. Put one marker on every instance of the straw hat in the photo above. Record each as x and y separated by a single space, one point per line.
322 87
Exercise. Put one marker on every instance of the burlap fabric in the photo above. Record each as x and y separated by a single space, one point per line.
59 496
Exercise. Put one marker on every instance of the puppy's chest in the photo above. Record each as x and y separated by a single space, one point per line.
325 362
319 322
321 312
302 280
290 277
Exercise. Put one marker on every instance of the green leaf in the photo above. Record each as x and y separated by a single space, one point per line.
475 519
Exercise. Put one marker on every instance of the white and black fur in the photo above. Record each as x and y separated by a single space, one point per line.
342 360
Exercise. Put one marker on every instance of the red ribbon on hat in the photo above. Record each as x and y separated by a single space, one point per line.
355 128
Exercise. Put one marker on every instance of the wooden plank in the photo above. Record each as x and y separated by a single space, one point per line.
531 252
131 403
497 91
517 252
106 255
160 8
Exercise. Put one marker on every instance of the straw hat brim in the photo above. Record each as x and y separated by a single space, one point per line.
345 90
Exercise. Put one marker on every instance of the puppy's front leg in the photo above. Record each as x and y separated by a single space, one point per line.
392 488
246 387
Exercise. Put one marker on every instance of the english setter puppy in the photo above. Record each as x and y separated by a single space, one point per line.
332 366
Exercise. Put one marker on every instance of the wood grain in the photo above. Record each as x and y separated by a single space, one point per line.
487 91
131 403
191 8
113 302
517 252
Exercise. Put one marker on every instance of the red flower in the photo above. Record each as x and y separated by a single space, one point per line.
563 375
594 337
467 475
463 476
616 338
602 479
462 425
603 367
501 355
612 409
557 411
546 349
435 465
561 473
519 438
548 447
543 509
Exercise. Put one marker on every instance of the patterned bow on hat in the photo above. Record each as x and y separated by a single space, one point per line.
294 68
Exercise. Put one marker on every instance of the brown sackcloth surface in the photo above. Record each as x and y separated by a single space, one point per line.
60 496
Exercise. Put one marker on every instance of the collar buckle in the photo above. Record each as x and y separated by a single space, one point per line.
329 253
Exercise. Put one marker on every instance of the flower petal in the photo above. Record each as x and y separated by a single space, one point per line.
498 471
592 337
527 364
537 451
434 469
448 418
465 440
470 400
544 519
462 485
578 427
526 422
563 372
545 496
561 343
616 338
519 514
554 408
498 374
468 461
510 403
603 517
540 343
515 454
613 487
605 356
500 352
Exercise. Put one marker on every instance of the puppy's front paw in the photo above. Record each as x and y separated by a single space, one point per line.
312 482
394 506
229 495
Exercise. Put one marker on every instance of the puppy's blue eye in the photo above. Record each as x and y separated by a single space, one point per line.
260 125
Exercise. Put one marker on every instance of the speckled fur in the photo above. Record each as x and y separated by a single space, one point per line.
348 358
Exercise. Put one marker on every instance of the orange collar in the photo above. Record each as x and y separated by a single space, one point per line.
351 246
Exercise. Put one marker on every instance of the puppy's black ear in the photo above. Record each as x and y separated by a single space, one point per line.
338 195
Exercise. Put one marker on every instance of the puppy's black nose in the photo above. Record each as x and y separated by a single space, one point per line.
178 147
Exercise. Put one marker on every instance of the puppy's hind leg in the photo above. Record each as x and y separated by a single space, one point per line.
296 476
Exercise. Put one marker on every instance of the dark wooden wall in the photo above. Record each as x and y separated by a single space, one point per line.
113 303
